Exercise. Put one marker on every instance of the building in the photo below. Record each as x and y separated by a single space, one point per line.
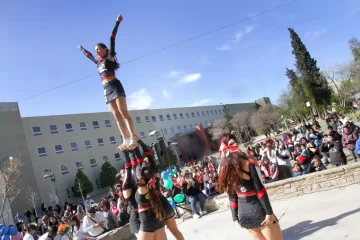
61 145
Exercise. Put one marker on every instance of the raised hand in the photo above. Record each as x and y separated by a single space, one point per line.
80 47
119 19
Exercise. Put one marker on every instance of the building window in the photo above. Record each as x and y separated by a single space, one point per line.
174 115
220 111
161 117
79 165
215 112
165 130
112 140
181 115
207 113
42 152
117 156
87 144
212 112
58 149
95 124
64 169
138 120
147 119
82 125
93 162
142 135
53 129
36 131
202 113
179 128
185 127
46 171
187 115
107 123
192 114
168 117
68 127
74 146
172 130
198 114
100 141
153 118
105 158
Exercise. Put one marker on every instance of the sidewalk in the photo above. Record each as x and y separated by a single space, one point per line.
330 215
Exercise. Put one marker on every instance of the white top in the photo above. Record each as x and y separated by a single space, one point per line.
28 237
44 236
88 224
79 234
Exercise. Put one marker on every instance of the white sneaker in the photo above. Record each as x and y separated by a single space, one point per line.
195 216
203 213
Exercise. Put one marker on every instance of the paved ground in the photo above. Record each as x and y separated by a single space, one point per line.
330 215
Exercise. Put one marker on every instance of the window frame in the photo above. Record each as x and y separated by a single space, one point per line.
64 172
91 164
53 131
36 133
42 154
79 168
82 128
117 158
112 142
69 130
138 119
107 124
100 144
60 151
95 126
87 147
168 117
161 117
74 149
142 135
147 119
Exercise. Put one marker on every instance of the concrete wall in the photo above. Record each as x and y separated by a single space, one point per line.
13 143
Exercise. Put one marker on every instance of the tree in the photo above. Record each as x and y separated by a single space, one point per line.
241 125
33 199
107 175
172 156
354 44
219 128
311 80
83 185
267 118
9 179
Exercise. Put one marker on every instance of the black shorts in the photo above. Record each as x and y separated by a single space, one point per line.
149 222
134 222
250 212
113 90
167 208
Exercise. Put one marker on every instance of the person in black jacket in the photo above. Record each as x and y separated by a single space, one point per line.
336 152
192 190
337 136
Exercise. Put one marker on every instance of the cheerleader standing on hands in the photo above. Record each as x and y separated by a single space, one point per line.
113 89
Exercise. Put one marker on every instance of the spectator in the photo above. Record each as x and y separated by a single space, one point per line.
113 207
337 155
298 170
88 202
31 230
94 223
63 232
192 190
77 229
111 219
270 169
337 136
316 165
283 157
349 139
50 235
44 227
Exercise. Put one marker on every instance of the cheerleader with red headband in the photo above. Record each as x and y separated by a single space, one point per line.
249 203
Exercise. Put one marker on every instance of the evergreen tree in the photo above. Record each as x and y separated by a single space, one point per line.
83 185
172 156
314 83
107 175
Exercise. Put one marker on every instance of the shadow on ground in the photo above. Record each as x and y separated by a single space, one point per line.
306 228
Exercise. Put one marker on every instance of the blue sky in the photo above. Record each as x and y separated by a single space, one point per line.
244 62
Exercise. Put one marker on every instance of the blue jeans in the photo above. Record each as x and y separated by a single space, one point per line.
193 200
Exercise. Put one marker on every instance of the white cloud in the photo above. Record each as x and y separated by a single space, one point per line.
190 78
140 99
316 33
224 47
201 102
166 94
174 74
239 35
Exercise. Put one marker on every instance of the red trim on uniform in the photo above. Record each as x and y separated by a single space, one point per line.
233 204
139 160
148 153
106 76
128 165
144 207
261 193
245 194
252 163
112 35
134 163
87 53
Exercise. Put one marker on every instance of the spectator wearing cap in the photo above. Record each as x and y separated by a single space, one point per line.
63 232
349 139
94 222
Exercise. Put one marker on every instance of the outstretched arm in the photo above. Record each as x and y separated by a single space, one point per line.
88 54
112 52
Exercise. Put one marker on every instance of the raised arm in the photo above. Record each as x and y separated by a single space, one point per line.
112 52
88 54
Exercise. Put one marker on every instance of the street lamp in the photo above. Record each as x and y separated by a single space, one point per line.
152 133
53 180
174 144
